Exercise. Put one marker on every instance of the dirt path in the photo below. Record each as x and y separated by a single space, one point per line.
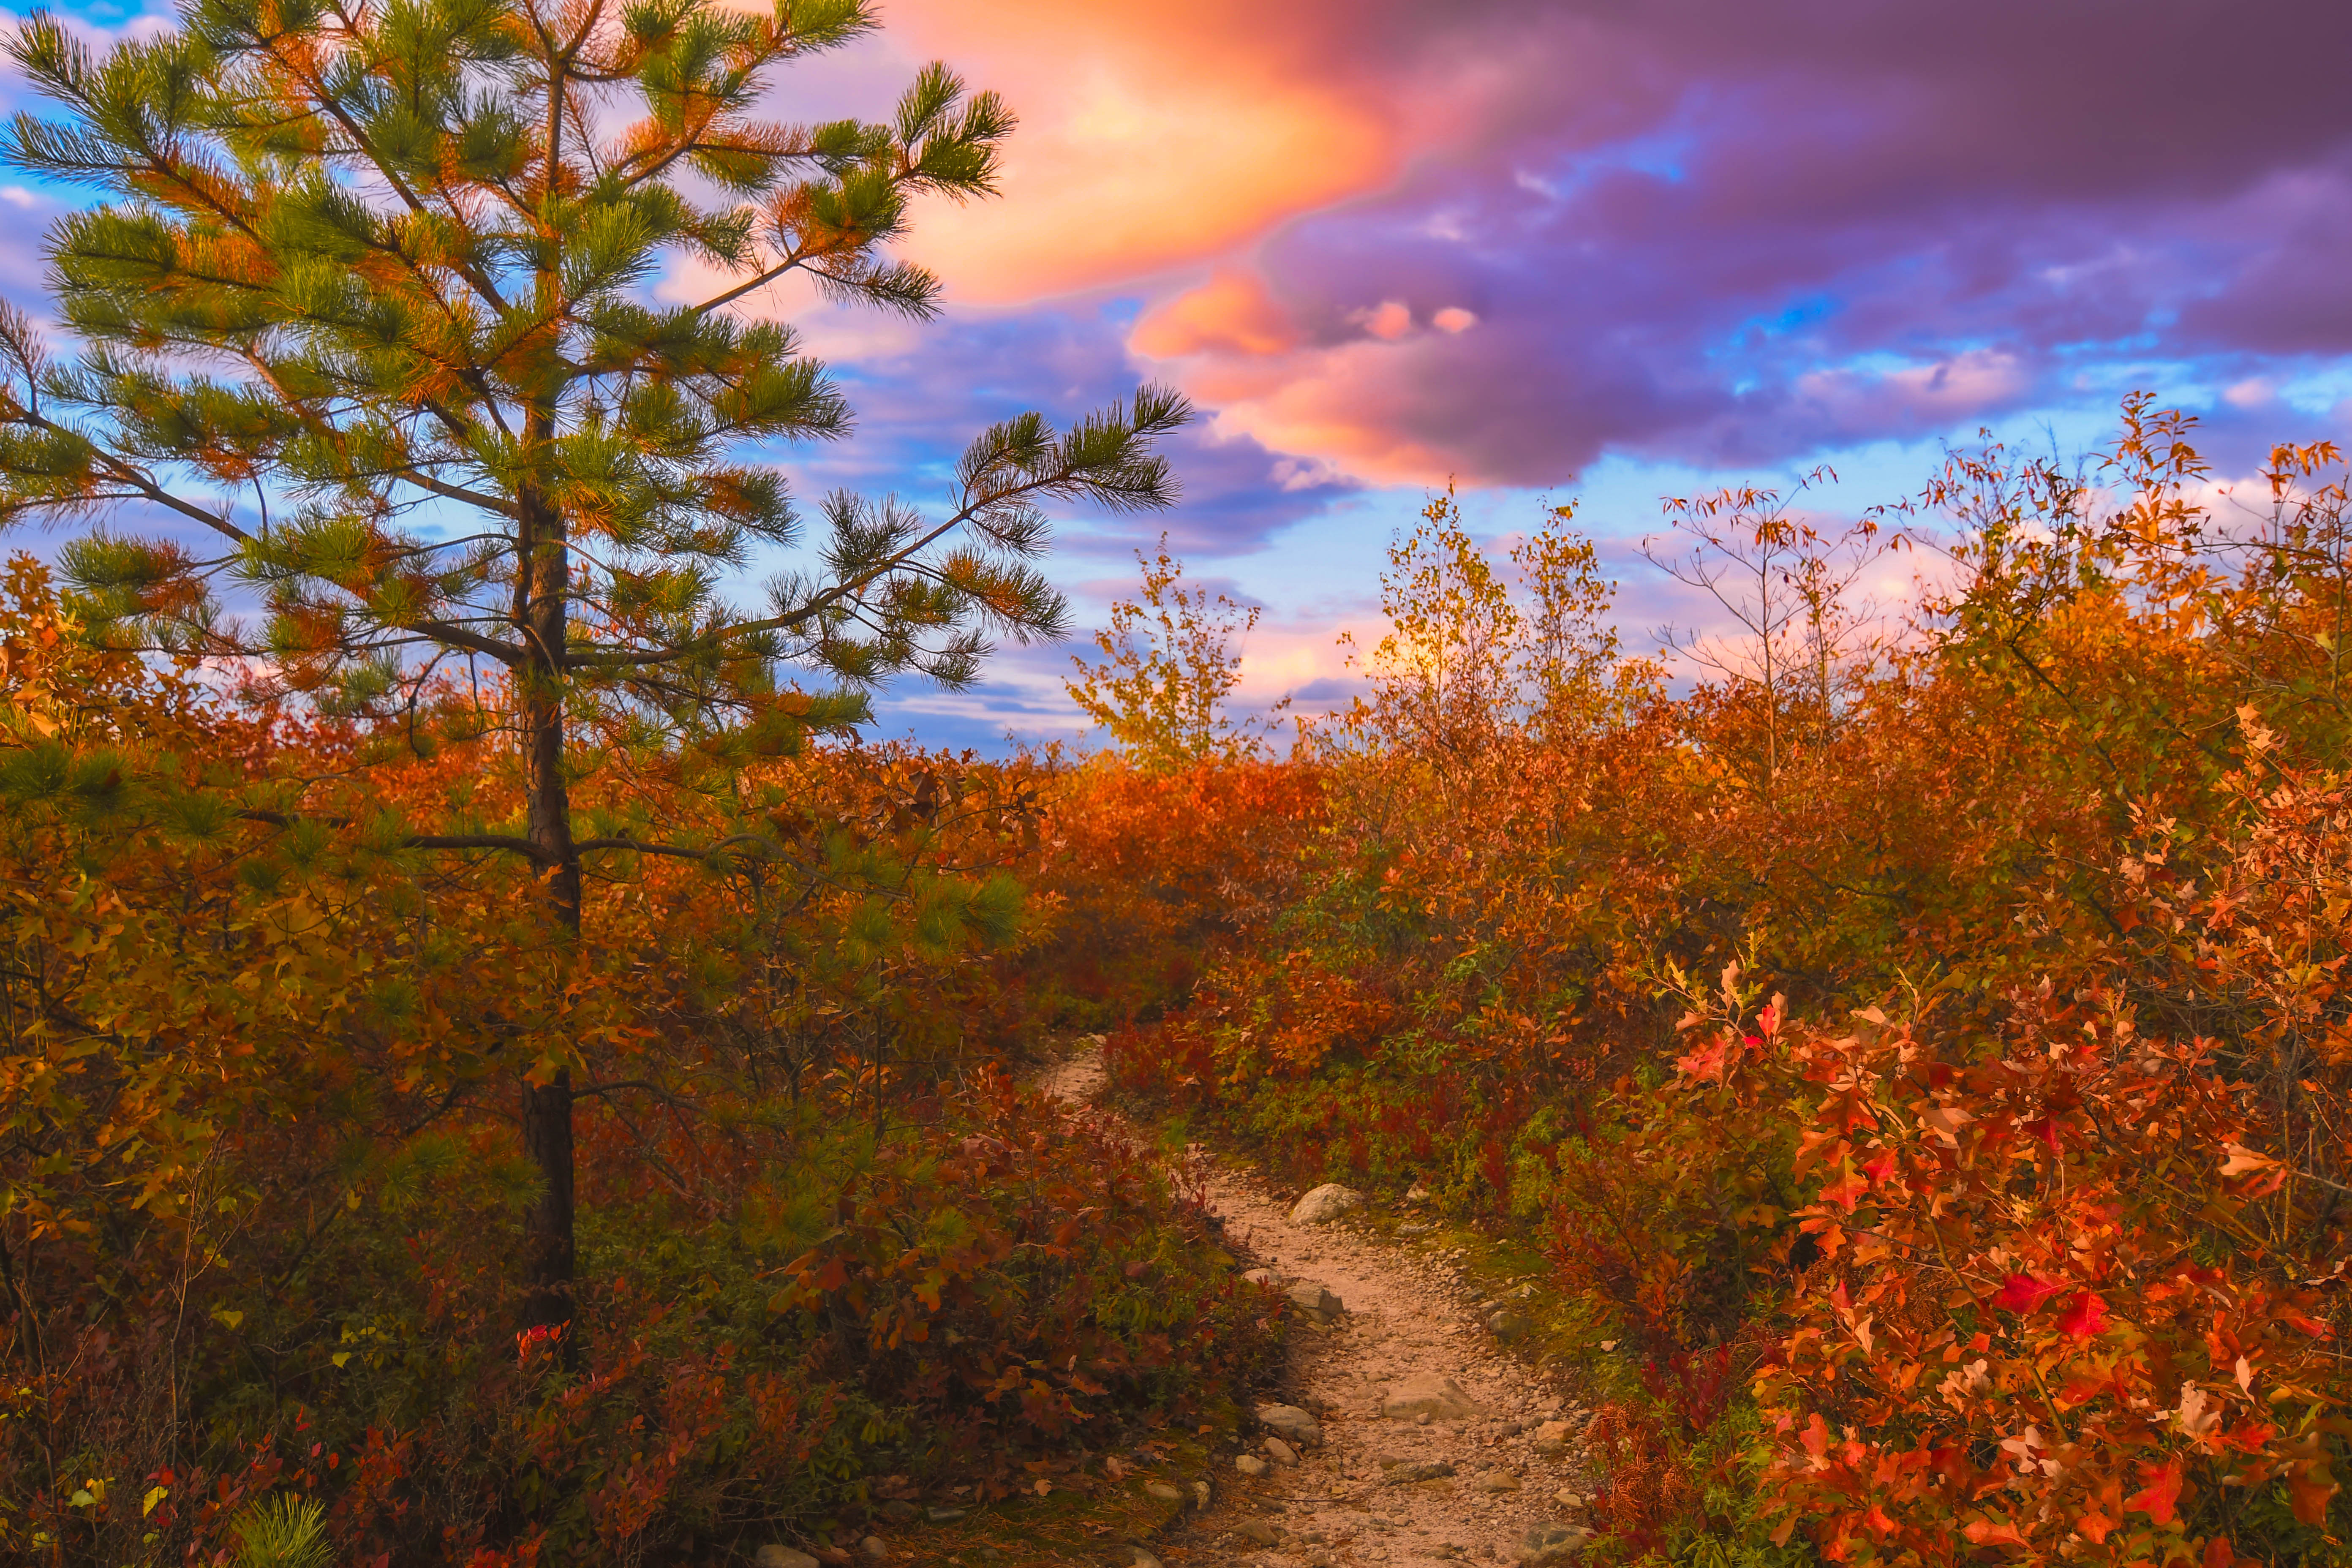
1489 1474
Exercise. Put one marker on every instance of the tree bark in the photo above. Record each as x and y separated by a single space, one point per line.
547 1230
550 1257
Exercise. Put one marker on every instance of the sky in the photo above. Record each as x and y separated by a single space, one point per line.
1602 249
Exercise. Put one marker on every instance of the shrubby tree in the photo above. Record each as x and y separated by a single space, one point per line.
1803 645
365 312
1474 653
1169 658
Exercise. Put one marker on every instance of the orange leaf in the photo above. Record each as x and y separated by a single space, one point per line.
1984 1533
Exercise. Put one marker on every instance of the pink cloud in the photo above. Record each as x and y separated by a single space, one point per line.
1231 313
1150 139
1661 221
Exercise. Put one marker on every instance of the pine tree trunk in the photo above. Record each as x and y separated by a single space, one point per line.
550 1257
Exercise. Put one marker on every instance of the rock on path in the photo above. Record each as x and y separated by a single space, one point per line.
1483 1436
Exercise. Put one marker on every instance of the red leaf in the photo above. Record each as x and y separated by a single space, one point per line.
1817 1442
2156 1500
2085 1318
1705 1064
2024 1292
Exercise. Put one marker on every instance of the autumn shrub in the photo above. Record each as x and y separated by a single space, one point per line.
975 1305
1153 876
262 1193
1919 1042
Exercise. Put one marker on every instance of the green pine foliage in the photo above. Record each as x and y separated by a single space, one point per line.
284 1533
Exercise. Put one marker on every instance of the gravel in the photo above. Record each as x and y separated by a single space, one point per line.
1408 1492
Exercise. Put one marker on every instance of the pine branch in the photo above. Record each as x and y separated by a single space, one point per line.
504 843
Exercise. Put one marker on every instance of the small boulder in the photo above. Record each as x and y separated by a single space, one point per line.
1249 1464
1437 1397
1289 1422
1551 1543
1200 1494
1508 1324
1259 1530
872 1549
1326 1203
944 1514
1315 1301
1142 1559
1414 1229
897 1511
1406 1474
1280 1452
1265 1276
1164 1491
782 1557
1498 1482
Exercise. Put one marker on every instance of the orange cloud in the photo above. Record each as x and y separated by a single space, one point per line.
1350 404
1353 405
1150 137
1232 312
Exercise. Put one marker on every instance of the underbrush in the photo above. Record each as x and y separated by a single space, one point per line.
267 1233
852 1322
1927 1059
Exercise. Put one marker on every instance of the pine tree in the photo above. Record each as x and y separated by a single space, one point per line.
364 296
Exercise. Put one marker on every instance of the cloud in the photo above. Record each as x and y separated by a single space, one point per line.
1231 313
1498 238
1150 138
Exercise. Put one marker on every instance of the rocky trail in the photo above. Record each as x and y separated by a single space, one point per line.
1410 1434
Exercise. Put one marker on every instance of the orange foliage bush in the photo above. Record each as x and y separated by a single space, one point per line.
259 1083
1923 1050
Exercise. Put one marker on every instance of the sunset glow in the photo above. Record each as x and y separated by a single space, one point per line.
1543 249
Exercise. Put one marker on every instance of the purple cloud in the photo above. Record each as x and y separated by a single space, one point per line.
1737 234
